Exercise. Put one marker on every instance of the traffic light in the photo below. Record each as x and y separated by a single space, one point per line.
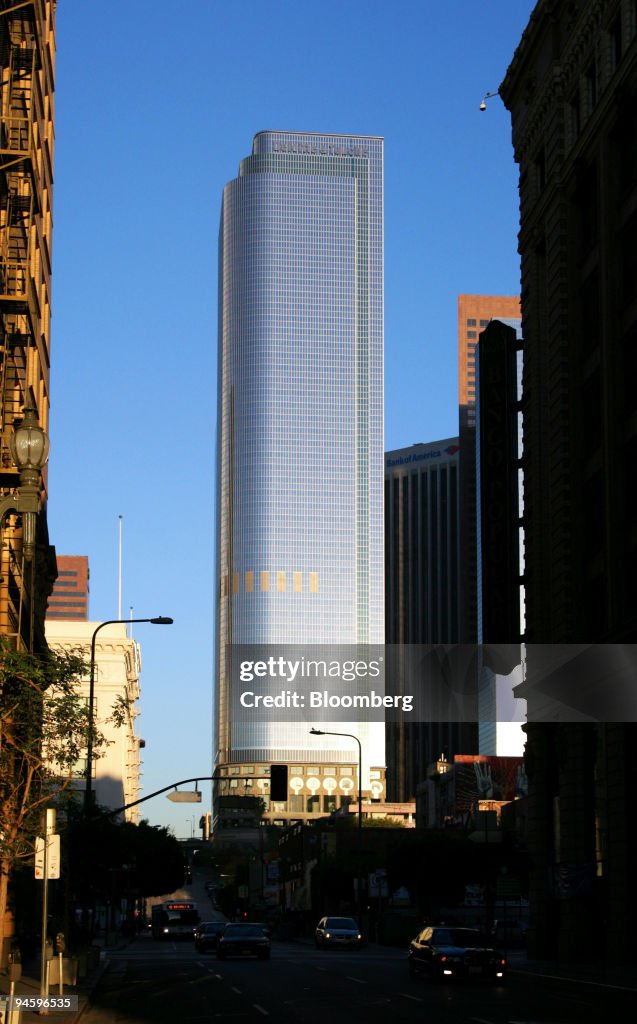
278 782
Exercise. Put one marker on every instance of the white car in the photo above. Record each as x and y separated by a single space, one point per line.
338 931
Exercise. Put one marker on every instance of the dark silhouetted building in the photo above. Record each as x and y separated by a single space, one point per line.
474 313
572 92
421 593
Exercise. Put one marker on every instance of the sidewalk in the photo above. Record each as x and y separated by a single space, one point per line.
29 985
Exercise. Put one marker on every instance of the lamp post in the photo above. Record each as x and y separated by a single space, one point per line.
487 96
159 620
29 446
350 735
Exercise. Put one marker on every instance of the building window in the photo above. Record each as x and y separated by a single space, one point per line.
471 323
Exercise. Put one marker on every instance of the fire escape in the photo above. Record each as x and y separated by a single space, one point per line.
24 109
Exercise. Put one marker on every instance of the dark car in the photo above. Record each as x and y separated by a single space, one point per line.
243 940
338 931
447 952
207 934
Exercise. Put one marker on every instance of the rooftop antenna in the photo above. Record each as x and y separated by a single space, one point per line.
119 573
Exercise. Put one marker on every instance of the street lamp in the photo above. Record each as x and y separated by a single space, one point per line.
487 96
159 620
29 446
350 735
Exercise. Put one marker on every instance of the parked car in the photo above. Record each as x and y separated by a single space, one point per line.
243 940
207 934
338 931
447 952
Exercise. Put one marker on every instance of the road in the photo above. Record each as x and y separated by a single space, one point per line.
159 982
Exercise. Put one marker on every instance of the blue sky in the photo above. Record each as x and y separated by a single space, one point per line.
155 106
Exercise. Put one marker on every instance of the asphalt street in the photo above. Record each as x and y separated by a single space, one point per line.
168 981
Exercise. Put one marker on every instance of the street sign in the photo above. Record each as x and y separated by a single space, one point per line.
185 796
53 857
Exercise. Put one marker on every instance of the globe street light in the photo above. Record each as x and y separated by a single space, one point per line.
29 445
350 735
159 620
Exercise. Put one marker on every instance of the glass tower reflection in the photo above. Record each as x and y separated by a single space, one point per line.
300 416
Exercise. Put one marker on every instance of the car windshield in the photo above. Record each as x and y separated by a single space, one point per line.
461 937
216 926
341 922
242 931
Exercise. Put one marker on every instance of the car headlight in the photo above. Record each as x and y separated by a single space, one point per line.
327 935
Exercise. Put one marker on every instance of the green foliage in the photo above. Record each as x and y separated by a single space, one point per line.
382 823
44 725
117 859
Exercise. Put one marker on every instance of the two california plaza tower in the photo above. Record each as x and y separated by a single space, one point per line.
300 444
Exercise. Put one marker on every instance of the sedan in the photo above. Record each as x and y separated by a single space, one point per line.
453 953
243 940
338 931
207 935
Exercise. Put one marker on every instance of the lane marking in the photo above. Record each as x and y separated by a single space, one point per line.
260 1009
237 990
415 999
572 981
359 981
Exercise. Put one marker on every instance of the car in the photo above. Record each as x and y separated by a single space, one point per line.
450 952
206 935
338 931
243 939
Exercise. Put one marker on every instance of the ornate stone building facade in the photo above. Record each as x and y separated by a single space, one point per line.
572 93
27 59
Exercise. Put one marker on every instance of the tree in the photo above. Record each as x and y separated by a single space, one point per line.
107 861
44 725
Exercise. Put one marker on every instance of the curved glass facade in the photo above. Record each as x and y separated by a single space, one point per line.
300 427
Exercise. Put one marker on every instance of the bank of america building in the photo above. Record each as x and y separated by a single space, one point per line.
300 445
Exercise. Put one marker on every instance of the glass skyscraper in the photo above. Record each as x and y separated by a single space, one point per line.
300 418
